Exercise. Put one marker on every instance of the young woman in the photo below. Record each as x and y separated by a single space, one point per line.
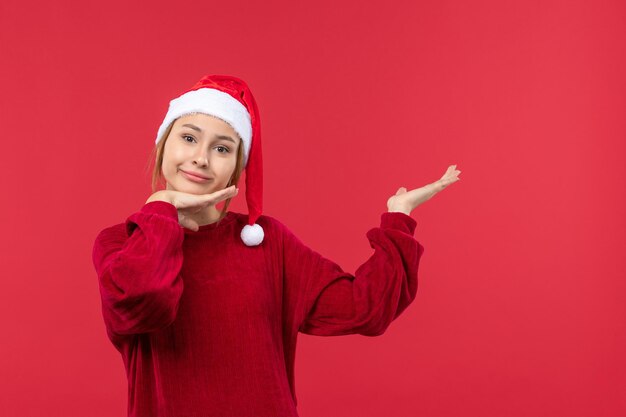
205 305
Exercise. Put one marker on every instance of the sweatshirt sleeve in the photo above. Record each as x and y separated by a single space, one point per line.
138 264
338 303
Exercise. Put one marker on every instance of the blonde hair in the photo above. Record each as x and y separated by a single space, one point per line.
156 157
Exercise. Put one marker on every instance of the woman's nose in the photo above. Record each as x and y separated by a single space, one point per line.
201 159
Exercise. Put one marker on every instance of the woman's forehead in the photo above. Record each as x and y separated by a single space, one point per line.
203 120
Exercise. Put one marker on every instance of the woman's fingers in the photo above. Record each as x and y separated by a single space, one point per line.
451 175
451 171
186 201
220 195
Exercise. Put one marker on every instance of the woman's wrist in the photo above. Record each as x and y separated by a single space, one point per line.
398 209
158 196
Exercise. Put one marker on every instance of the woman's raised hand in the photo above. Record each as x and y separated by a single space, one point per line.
405 201
187 203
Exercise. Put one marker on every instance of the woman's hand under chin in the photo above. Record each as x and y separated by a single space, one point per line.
189 204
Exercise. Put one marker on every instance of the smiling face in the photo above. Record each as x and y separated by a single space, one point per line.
203 145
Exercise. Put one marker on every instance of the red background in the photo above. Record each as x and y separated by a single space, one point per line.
521 306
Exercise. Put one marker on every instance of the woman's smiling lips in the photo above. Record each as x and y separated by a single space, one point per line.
195 178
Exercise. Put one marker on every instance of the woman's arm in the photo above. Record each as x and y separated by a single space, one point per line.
334 302
138 265
338 303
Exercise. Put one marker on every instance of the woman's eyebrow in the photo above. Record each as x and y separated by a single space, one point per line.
197 129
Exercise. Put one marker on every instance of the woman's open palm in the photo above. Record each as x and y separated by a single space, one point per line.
405 201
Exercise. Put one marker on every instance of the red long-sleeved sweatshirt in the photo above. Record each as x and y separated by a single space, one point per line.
207 326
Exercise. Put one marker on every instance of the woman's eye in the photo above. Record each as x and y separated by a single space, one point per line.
223 147
187 136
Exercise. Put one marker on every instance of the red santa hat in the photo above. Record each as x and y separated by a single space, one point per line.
229 98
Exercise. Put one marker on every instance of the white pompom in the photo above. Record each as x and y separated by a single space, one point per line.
252 235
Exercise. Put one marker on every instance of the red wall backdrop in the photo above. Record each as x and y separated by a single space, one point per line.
521 306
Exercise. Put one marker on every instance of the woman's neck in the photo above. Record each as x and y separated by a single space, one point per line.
208 216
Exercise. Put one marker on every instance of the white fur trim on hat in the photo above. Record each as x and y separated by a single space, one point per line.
215 103
252 235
